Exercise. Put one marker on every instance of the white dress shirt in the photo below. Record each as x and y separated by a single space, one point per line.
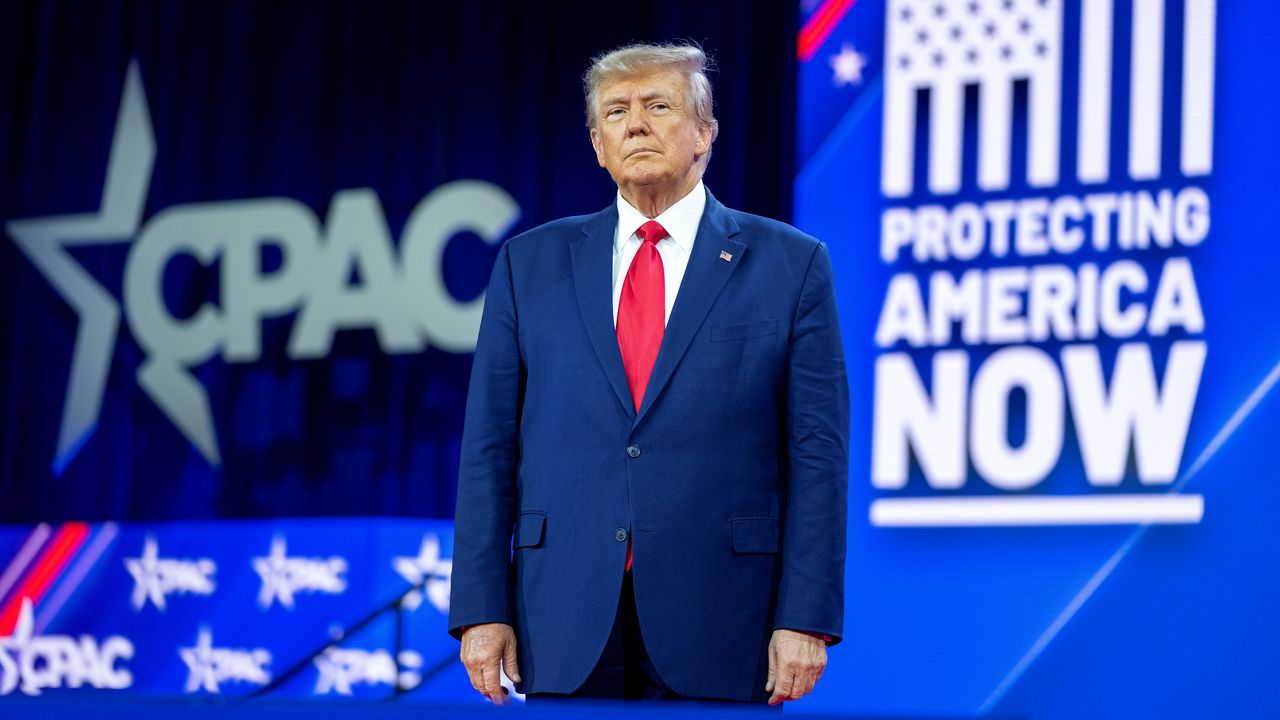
681 223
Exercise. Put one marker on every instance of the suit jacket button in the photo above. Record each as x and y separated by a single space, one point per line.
633 451
620 534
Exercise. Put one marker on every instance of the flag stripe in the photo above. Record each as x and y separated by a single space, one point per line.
1146 88
818 27
1197 87
23 558
71 581
65 543
1094 145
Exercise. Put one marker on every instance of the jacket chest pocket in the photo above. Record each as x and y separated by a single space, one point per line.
744 331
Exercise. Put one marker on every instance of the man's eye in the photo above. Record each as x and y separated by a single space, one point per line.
659 106
616 112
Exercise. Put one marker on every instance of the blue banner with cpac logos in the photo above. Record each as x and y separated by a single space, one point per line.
353 608
1051 226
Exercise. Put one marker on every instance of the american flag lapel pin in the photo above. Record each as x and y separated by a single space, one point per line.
725 256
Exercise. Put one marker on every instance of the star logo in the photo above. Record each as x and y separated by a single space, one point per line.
208 667
155 577
283 576
339 669
847 66
47 243
428 570
146 576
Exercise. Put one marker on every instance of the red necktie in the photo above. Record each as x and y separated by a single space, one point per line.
642 311
642 316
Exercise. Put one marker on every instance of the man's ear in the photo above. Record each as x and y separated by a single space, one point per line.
703 145
597 146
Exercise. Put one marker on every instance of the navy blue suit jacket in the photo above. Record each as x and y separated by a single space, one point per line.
731 480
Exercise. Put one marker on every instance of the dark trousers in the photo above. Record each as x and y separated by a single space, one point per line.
625 671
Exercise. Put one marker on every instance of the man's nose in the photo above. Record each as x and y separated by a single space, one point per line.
636 123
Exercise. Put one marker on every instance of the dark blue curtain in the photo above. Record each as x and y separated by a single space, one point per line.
300 100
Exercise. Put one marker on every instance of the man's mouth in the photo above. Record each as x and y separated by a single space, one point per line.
638 151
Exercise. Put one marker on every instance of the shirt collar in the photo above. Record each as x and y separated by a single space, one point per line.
680 220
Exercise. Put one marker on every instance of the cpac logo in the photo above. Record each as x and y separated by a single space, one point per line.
33 663
945 46
208 666
428 566
155 577
402 297
340 668
283 576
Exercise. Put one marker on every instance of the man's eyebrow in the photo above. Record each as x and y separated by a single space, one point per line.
647 97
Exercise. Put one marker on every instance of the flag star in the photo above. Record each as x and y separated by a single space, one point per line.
1006 52
847 66
906 14
904 62
938 58
1008 5
972 55
922 36
957 32
1042 48
989 29
939 10
1024 26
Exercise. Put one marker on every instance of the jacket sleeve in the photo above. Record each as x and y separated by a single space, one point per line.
811 588
485 514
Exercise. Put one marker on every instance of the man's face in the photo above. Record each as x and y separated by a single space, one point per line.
646 135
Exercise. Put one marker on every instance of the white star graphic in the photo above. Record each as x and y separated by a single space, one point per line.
275 577
199 660
847 66
429 566
47 242
146 576
208 667
23 630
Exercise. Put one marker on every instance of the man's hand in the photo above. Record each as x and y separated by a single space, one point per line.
796 661
484 647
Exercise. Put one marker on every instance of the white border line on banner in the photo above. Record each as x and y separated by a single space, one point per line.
1163 509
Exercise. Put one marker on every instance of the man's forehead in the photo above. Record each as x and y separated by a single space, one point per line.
657 82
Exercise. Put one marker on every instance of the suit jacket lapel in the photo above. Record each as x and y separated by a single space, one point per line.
592 255
715 256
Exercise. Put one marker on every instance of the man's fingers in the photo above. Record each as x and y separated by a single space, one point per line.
493 685
486 650
510 662
472 667
783 685
773 664
813 680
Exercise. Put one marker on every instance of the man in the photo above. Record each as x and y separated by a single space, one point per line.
651 501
